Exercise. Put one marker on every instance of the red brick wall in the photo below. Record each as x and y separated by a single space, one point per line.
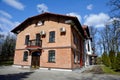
62 58
64 55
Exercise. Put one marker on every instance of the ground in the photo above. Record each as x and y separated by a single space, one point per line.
13 73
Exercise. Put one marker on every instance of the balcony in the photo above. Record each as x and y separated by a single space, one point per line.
34 43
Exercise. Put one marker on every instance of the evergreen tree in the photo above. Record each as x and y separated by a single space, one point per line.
99 60
118 62
112 59
105 59
8 47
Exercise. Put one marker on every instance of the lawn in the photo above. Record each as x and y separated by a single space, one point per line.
108 70
6 63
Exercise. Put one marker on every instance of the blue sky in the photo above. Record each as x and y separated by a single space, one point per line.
91 12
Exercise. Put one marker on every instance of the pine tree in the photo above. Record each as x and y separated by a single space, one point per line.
106 59
8 47
112 59
118 62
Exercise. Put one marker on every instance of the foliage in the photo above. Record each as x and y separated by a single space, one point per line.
6 63
1 40
99 60
8 47
112 59
118 62
106 59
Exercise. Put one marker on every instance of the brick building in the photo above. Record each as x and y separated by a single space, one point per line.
50 41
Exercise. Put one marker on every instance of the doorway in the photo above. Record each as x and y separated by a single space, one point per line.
35 63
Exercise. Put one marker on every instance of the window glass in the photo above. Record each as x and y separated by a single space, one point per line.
52 36
27 39
75 39
25 56
78 57
75 57
51 56
88 47
37 39
40 23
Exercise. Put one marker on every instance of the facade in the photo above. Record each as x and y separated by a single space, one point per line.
90 56
50 41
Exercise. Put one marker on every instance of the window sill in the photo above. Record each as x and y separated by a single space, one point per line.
25 61
51 62
75 62
38 25
51 42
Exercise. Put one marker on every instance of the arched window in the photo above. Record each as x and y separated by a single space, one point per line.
51 56
25 56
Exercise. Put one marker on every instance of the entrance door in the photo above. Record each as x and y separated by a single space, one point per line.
35 60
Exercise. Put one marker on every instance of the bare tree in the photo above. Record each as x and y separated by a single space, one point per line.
1 41
115 27
110 37
115 7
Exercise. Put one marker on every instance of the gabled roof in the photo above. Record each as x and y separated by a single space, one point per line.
29 20
86 31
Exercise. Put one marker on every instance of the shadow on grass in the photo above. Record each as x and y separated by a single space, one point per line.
17 76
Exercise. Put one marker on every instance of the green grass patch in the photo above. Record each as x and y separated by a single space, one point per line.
108 70
6 63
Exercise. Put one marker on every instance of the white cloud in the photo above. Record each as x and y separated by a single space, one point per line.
75 14
6 25
5 20
97 20
15 3
5 14
90 7
42 8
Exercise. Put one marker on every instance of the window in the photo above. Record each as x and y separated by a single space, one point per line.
37 39
27 39
88 47
75 57
25 56
40 23
75 39
51 56
78 57
52 36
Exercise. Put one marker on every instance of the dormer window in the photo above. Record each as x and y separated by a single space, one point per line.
40 23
